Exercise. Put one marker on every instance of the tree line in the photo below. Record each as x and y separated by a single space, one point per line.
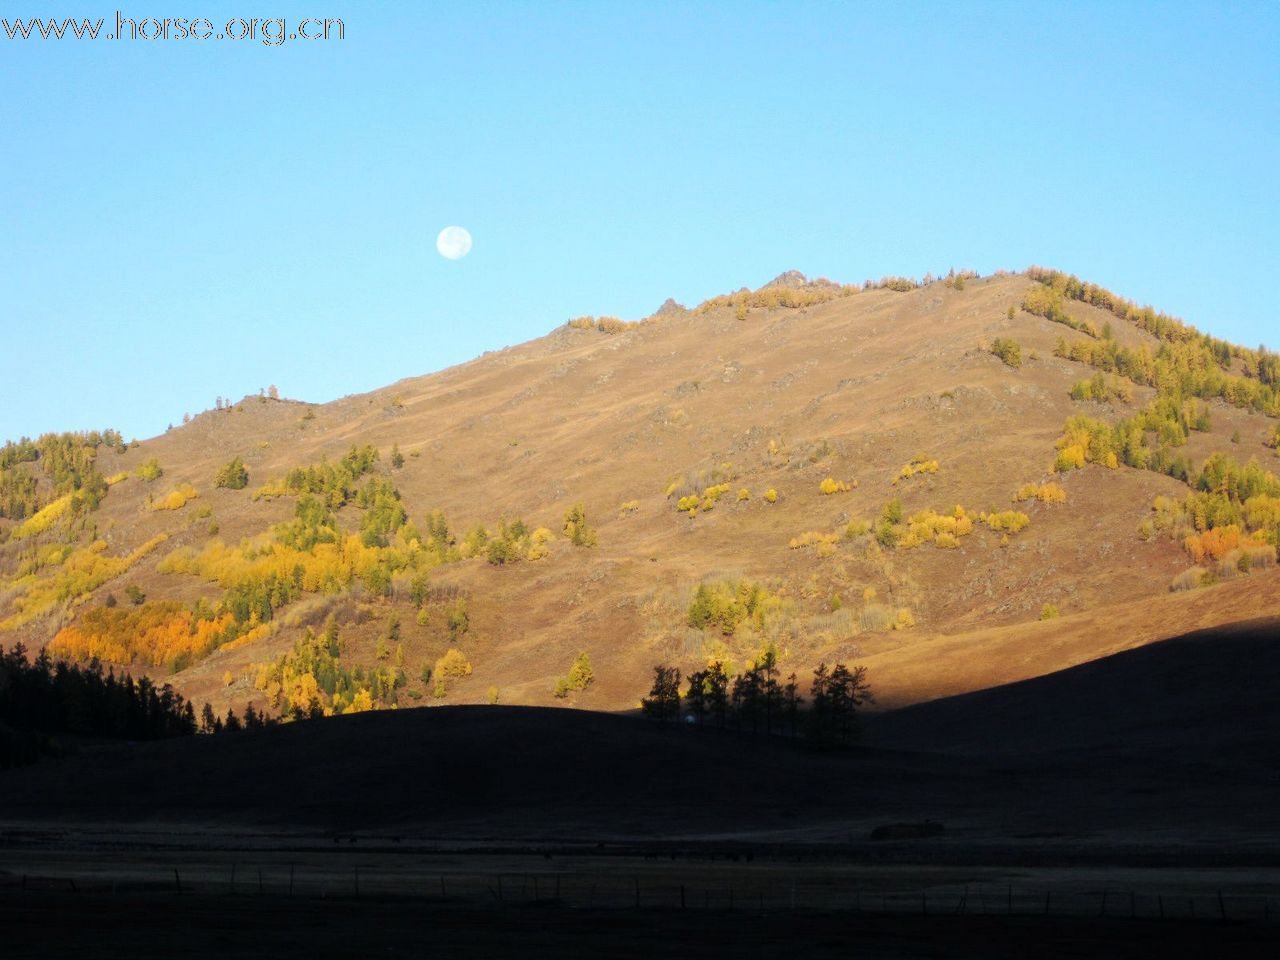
760 700
43 696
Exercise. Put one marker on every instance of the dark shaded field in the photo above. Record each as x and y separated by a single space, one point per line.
36 925
1108 794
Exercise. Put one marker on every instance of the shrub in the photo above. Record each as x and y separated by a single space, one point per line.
830 485
1043 492
771 495
150 470
943 530
1007 521
744 494
233 476
919 464
1009 351
1191 579
876 617
1049 612
813 539
176 499
628 506
452 665
856 528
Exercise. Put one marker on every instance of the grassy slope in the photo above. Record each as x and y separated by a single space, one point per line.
578 416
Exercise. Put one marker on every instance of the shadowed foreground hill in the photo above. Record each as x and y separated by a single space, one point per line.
1175 742
1211 692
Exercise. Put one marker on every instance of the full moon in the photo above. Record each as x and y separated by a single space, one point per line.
454 243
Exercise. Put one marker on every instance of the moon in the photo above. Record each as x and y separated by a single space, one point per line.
454 243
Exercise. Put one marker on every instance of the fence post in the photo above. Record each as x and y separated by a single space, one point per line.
1160 904
1047 893
636 880
1133 904
233 877
291 867
1222 906
1103 911
259 881
177 881
682 896
1010 898
443 894
355 872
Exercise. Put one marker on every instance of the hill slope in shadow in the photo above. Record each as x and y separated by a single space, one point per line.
1176 741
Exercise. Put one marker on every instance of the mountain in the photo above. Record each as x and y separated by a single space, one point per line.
958 484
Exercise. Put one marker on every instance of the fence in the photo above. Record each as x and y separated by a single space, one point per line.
615 890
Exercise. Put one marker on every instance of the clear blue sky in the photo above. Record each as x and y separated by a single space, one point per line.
185 219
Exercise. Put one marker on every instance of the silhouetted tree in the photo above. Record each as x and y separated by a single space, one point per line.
835 698
791 700
663 702
43 697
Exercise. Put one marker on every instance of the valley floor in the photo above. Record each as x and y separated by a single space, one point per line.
284 903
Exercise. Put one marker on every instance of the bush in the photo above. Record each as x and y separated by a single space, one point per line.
177 498
150 470
830 485
1043 492
452 665
919 464
1191 579
1049 612
813 539
771 495
233 476
1007 521
1009 351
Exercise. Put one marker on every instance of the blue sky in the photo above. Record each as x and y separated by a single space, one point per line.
187 219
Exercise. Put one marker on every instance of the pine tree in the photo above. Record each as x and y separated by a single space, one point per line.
663 702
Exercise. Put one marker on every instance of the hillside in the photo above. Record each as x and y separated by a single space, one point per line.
671 433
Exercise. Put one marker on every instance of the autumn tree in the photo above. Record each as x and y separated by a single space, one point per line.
576 528
233 475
